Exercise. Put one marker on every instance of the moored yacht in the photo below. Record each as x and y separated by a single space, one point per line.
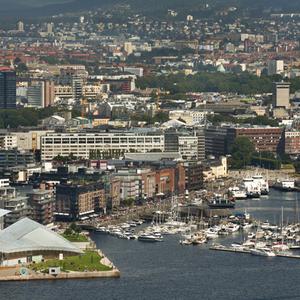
150 238
262 252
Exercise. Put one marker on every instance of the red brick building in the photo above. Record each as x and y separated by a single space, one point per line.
264 139
292 142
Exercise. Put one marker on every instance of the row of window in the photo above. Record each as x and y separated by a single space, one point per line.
101 140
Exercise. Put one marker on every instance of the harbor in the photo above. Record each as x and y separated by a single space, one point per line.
168 268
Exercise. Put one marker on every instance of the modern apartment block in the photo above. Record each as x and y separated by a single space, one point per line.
99 145
17 205
42 203
77 202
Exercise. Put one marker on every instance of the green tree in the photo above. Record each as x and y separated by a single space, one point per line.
241 152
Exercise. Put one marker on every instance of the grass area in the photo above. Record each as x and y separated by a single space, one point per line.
89 261
75 237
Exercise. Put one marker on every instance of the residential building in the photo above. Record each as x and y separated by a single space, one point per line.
78 202
193 176
42 203
17 205
14 157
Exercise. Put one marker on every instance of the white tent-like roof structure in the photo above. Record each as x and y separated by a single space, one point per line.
173 123
27 235
3 212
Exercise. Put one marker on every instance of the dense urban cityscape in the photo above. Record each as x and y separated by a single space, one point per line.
124 124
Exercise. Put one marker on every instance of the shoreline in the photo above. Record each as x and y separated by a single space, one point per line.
113 273
64 276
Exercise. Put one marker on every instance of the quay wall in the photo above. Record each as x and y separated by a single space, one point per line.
62 276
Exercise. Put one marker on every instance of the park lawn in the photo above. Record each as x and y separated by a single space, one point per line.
89 261
75 237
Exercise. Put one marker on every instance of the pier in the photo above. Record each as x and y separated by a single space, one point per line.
246 251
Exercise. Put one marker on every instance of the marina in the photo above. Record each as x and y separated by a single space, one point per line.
169 268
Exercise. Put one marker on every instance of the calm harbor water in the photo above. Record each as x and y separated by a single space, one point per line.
170 271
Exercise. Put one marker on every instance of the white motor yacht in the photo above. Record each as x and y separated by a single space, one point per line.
150 238
262 252
231 227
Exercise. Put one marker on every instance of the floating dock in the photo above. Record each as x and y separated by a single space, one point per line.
228 249
245 251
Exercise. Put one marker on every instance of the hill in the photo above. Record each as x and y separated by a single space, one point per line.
32 8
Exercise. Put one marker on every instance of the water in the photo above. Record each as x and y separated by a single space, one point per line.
170 271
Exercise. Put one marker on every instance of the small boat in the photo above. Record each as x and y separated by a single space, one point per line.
268 226
247 225
280 247
223 231
185 242
262 252
101 229
231 228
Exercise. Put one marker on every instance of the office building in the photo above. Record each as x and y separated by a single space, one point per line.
49 28
99 145
8 141
218 139
275 67
190 145
41 94
7 90
281 94
20 26
77 84
128 47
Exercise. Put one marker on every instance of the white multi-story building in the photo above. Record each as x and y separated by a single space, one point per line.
188 147
4 182
30 140
99 145
190 117
8 141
